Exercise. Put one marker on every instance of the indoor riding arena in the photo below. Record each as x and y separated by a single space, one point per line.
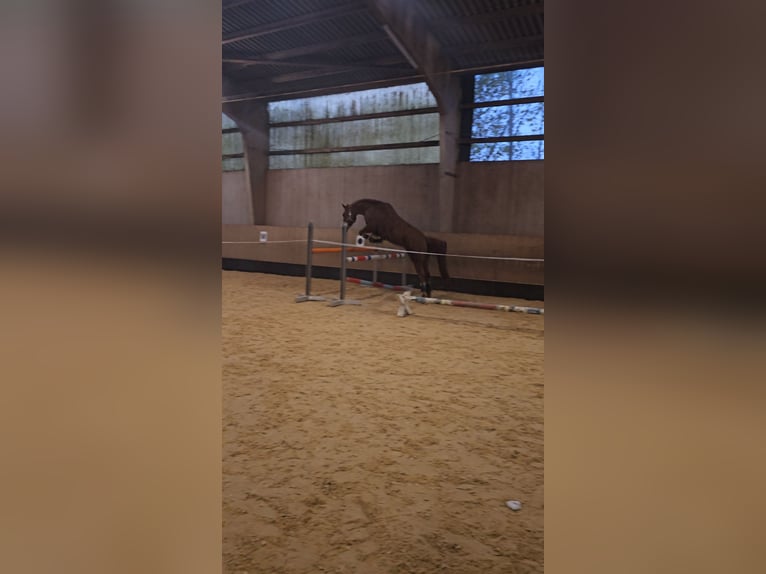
377 417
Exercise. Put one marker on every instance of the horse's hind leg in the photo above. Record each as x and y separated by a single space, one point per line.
427 275
421 268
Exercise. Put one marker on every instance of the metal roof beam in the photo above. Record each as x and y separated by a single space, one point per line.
329 71
412 35
386 63
407 30
319 48
244 96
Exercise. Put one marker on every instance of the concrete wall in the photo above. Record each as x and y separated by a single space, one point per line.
237 204
501 197
492 197
499 212
504 198
296 196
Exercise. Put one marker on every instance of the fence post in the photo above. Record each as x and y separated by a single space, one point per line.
307 296
342 299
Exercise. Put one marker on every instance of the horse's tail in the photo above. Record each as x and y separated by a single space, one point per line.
439 246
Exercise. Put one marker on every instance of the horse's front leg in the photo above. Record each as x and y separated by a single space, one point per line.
368 234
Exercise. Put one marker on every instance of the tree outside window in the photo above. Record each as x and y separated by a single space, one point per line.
514 119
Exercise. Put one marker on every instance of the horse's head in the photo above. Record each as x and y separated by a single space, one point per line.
349 217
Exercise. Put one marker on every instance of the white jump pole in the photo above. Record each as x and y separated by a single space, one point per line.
405 298
365 283
375 257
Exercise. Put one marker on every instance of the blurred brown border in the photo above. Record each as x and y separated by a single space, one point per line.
110 219
655 336
110 288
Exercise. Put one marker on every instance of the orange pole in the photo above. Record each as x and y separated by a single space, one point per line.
337 249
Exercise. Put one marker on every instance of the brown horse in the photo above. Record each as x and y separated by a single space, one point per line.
383 223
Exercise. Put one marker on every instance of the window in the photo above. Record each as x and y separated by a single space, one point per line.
508 116
385 126
232 154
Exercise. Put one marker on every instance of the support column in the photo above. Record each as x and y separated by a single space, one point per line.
449 152
252 119
403 22
256 142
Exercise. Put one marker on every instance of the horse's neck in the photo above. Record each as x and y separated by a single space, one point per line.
361 207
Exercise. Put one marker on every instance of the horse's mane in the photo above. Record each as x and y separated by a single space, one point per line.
370 201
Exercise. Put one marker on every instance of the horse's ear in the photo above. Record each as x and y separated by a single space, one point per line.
345 205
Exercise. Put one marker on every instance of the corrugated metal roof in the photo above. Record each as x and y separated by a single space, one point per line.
300 45
263 12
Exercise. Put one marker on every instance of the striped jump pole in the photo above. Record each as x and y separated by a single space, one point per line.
375 257
405 310
357 258
366 283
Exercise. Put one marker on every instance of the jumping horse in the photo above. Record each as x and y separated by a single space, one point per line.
383 223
